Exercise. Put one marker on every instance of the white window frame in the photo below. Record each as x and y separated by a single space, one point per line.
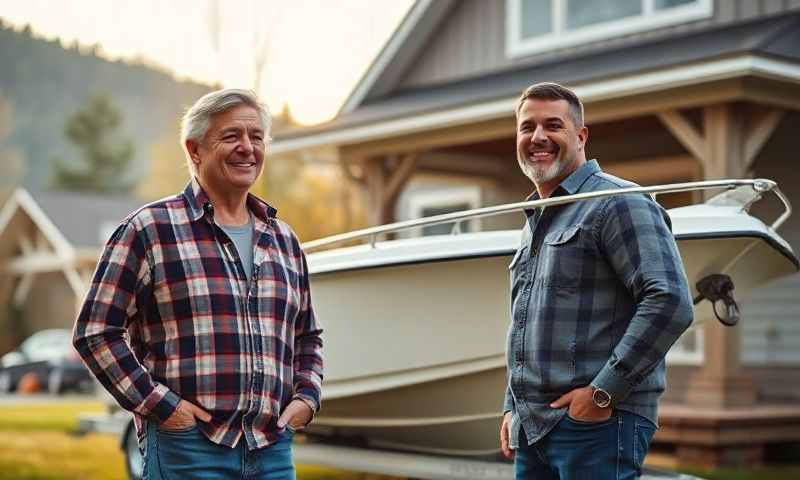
417 202
679 357
516 46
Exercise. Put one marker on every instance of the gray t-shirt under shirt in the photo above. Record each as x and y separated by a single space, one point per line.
242 237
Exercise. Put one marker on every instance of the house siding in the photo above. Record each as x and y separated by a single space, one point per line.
771 316
472 41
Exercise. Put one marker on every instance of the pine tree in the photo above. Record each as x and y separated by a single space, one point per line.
11 161
105 156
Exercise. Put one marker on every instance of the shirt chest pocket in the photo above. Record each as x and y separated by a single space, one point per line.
565 253
279 290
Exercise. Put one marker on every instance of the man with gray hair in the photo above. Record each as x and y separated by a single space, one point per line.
199 316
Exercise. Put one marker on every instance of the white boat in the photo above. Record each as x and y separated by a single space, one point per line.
415 328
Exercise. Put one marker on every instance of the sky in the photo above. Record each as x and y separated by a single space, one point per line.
314 51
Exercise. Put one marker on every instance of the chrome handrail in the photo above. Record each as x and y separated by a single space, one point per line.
759 185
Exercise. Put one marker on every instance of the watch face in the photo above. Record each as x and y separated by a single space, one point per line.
601 398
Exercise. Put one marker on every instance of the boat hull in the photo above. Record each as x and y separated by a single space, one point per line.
415 350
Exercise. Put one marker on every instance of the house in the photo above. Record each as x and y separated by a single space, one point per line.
49 246
675 90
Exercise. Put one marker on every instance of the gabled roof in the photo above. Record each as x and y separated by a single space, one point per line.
69 220
402 48
84 218
21 203
766 47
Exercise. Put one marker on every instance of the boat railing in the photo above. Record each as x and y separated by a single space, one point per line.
758 186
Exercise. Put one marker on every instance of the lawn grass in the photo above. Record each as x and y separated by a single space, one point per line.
56 455
37 442
61 417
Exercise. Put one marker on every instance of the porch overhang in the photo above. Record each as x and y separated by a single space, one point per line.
747 77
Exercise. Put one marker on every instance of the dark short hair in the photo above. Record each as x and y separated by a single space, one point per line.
553 91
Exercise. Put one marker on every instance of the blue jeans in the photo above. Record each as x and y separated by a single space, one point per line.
189 455
575 450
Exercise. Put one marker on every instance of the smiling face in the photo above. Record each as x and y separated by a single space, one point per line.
230 156
549 144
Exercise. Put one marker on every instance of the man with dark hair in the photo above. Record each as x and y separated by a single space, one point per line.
598 297
199 317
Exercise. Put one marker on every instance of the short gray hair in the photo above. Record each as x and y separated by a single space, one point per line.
197 119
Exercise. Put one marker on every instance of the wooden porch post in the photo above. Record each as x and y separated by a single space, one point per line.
726 148
384 179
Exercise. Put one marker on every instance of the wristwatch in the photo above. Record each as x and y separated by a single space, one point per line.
601 398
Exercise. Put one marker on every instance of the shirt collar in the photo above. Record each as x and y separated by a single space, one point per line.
200 204
574 182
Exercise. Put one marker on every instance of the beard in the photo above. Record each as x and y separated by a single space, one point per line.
542 174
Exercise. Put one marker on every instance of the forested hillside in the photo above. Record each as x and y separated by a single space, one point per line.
44 83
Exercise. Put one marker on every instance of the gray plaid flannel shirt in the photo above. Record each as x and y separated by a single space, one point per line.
598 296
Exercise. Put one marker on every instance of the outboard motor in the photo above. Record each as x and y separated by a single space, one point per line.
718 288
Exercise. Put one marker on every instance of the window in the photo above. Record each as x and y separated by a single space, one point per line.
688 350
533 26
446 200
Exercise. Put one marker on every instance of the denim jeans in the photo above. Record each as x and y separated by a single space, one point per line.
189 455
610 450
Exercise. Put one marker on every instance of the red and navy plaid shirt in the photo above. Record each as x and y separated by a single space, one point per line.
170 315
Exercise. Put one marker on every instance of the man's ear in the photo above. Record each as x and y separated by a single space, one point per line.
192 148
583 136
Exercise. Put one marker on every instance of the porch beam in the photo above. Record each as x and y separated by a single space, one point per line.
79 287
763 125
501 169
36 263
731 137
375 185
655 170
347 169
769 92
24 286
399 178
725 137
433 139
685 132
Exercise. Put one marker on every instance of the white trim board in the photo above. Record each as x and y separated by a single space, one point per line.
652 81
560 37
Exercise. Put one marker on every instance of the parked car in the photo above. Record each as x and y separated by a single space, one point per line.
50 356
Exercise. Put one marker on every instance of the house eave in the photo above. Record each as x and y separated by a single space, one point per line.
409 37
658 80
